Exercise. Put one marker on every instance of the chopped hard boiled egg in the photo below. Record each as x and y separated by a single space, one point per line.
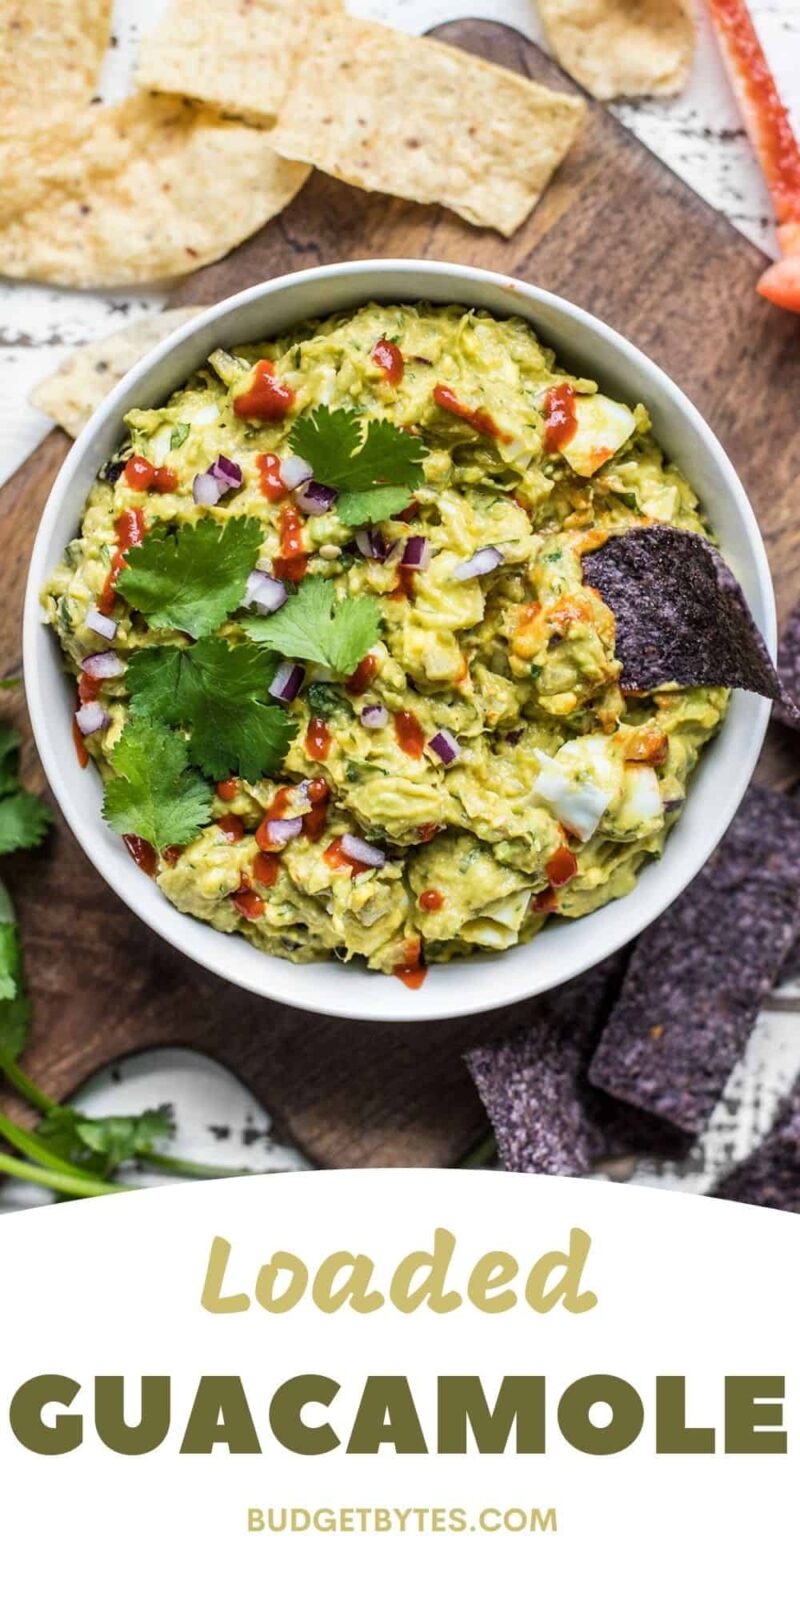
603 426
579 784
641 809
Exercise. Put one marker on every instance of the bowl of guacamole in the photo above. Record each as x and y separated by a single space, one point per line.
322 686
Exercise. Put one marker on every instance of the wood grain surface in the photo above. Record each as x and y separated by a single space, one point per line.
619 234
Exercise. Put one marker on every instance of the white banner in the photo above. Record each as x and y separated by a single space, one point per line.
607 1403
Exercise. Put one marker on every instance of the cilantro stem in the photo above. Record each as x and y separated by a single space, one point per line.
480 1154
78 1188
192 1169
25 1086
36 1149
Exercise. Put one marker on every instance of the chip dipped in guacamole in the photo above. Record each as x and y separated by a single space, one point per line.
336 659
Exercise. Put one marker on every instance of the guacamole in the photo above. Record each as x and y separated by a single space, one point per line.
347 689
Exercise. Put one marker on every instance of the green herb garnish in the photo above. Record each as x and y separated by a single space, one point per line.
314 626
155 795
191 579
220 694
374 470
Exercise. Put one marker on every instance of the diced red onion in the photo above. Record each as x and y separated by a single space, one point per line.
367 855
374 716
265 594
280 830
445 746
287 682
371 543
417 553
294 471
315 498
105 626
206 489
105 665
483 561
228 473
91 718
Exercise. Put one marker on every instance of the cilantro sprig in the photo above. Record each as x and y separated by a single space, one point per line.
314 626
24 818
155 793
101 1144
193 577
219 693
374 470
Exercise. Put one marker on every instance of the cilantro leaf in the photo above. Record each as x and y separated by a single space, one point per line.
101 1144
14 1005
179 435
220 694
155 796
371 505
193 578
24 821
9 759
345 459
315 626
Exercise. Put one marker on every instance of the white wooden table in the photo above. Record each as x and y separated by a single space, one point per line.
701 137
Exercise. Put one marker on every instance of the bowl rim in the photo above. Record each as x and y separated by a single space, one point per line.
86 823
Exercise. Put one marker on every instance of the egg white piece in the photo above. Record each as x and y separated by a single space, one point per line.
603 426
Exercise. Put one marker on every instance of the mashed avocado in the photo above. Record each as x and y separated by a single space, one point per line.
479 770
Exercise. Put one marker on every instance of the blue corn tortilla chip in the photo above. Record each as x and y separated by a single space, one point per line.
699 975
546 1116
771 1175
785 710
681 616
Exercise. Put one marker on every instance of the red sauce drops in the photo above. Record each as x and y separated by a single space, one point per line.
87 688
292 562
545 901
269 472
231 826
335 858
560 416
227 789
172 854
409 734
266 870
267 400
315 820
427 831
143 853
80 745
431 900
274 812
561 867
389 358
248 903
404 588
130 529
411 972
142 475
363 675
318 739
477 419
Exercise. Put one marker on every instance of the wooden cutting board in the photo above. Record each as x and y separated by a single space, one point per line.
621 235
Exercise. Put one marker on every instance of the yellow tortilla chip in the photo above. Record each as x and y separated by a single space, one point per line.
72 393
151 189
238 54
622 47
50 54
412 117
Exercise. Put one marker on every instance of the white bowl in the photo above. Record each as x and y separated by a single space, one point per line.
584 345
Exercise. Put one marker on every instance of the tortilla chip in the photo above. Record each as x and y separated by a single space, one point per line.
785 710
545 1113
622 47
699 976
50 55
72 393
771 1175
236 53
415 118
680 614
152 188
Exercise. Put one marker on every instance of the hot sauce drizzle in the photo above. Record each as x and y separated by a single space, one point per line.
315 820
267 400
411 972
269 472
80 746
477 418
409 734
389 358
561 867
143 475
227 789
318 739
431 900
143 853
232 827
560 417
266 870
335 858
247 902
292 562
130 529
363 675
